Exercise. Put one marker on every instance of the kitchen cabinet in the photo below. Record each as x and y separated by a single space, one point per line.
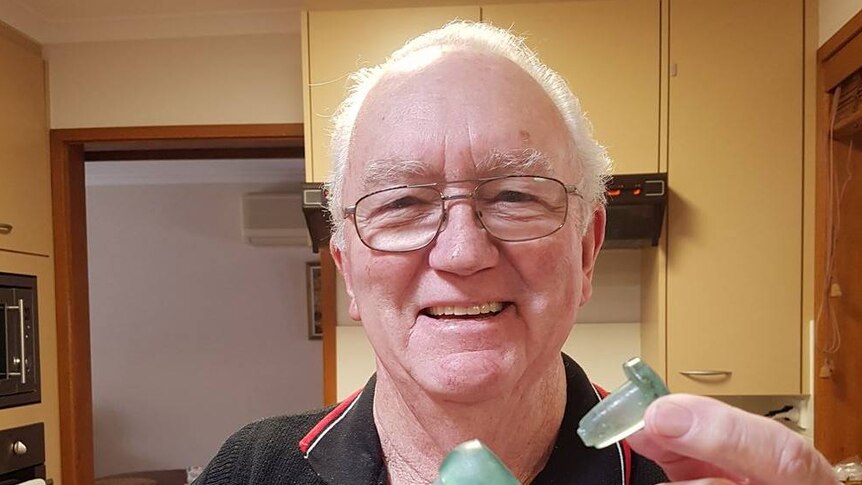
618 92
608 52
734 226
336 43
25 204
25 176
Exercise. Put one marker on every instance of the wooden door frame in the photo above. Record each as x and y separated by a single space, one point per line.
70 264
837 58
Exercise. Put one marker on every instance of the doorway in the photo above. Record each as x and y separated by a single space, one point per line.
70 149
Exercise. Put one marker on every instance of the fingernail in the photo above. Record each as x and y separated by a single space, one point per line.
671 420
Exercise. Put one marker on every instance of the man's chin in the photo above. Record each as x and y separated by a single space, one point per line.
469 377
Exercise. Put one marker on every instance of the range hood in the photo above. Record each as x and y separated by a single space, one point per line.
636 205
316 215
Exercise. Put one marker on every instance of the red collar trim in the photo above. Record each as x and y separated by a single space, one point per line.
307 443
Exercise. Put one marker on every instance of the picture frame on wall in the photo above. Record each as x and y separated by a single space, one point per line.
312 281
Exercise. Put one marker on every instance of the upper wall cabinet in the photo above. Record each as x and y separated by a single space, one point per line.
338 43
25 174
735 215
608 51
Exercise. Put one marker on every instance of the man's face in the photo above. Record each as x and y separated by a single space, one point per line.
452 115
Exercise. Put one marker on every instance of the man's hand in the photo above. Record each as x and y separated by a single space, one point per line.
698 440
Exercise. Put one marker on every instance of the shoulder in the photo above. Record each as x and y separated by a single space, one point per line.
265 451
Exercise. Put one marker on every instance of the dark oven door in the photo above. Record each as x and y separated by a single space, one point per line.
19 349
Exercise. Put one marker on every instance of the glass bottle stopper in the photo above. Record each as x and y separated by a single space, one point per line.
472 463
621 414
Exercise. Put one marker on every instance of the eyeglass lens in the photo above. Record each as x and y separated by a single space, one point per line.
517 208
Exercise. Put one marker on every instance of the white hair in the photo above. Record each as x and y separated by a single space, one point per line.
477 37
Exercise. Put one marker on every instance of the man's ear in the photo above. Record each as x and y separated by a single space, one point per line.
343 265
591 243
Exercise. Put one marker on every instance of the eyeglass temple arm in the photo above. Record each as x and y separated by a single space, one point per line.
571 189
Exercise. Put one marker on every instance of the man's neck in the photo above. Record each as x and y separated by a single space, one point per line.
520 427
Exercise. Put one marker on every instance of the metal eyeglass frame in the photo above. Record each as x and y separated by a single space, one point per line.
350 212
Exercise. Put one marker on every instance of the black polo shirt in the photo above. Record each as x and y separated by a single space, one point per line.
340 445
345 448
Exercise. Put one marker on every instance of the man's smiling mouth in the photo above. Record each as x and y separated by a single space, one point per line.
480 310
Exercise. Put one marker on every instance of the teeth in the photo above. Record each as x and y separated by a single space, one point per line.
481 309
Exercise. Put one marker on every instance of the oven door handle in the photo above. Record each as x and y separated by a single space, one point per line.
22 329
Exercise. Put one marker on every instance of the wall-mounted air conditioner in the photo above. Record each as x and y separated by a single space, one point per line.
274 219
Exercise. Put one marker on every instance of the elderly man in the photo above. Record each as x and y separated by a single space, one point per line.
467 203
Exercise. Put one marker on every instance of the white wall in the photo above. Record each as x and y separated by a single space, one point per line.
185 81
194 333
834 14
354 360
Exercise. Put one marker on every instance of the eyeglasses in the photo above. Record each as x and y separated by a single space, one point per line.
511 208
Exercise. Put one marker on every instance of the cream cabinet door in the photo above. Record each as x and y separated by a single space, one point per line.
608 51
340 42
735 214
25 174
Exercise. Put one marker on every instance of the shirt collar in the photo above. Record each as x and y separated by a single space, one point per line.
345 447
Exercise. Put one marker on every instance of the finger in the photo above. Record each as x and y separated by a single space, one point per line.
737 442
675 466
651 447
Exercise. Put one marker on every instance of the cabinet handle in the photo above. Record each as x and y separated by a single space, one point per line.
706 373
5 228
22 324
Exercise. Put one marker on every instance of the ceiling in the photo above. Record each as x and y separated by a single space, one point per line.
72 10
61 21
65 21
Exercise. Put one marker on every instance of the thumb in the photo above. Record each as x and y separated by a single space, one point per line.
740 443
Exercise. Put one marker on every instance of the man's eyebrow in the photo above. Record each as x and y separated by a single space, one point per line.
515 162
386 172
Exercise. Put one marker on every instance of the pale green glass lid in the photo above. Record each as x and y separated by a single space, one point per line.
472 463
621 414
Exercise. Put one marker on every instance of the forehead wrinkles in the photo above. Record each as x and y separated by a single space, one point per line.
388 172
389 115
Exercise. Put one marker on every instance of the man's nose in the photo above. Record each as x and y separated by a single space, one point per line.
463 247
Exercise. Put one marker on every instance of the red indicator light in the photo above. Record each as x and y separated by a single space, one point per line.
614 192
637 191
